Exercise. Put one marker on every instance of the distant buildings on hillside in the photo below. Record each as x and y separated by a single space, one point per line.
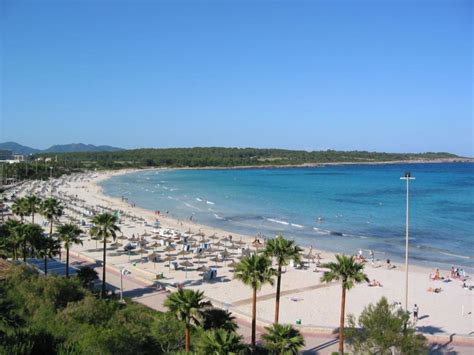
7 156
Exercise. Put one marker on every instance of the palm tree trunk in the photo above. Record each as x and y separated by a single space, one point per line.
103 267
187 340
277 300
51 228
67 262
341 320
24 251
254 315
45 265
32 217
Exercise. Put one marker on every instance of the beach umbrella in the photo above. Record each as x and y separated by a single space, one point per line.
156 237
169 259
141 251
225 254
146 234
169 248
186 264
182 253
202 268
200 257
233 247
218 244
213 237
239 242
117 244
226 239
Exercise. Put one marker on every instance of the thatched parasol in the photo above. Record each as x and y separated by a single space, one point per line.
186 264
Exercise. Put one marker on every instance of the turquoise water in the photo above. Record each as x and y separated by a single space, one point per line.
337 208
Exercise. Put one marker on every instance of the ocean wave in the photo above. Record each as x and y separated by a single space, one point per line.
210 203
198 199
217 216
297 225
277 221
456 255
321 231
170 198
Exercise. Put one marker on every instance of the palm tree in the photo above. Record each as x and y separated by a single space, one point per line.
20 208
283 250
283 339
188 306
27 235
105 226
69 234
350 273
220 342
216 318
255 271
33 203
47 247
12 239
51 209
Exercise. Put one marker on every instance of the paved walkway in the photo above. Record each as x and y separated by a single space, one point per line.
316 343
282 293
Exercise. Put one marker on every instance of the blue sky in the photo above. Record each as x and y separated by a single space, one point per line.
367 75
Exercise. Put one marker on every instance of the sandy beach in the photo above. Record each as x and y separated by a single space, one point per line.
304 298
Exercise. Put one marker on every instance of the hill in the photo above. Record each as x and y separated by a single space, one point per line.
18 148
80 147
59 148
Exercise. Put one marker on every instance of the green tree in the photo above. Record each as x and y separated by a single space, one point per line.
346 270
220 342
216 318
51 209
87 276
283 339
105 226
187 306
28 236
33 204
283 250
47 247
20 208
11 239
382 328
69 234
255 271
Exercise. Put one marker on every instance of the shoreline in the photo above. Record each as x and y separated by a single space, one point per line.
297 166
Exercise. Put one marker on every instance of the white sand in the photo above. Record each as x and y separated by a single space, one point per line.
447 312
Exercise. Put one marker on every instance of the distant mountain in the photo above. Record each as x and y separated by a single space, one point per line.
80 147
18 148
60 148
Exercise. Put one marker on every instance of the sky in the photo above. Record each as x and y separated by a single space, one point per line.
379 75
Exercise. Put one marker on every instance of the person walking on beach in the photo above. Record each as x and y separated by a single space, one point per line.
415 312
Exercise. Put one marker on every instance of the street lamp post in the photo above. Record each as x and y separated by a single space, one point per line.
407 177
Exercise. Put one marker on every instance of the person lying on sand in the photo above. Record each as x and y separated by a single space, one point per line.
435 289
375 283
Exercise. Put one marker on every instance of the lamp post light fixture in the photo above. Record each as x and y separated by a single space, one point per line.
407 177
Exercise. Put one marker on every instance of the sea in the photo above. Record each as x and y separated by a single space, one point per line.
339 208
